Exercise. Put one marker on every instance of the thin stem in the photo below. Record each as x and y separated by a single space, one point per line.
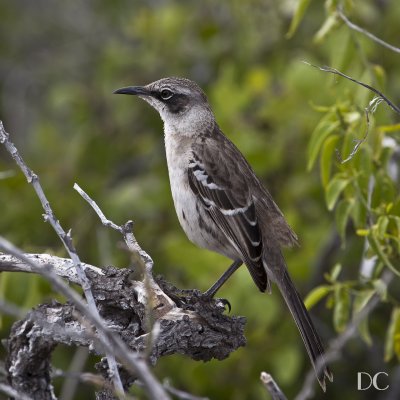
272 387
372 89
357 28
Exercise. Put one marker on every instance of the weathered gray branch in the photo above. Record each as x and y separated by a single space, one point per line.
192 325
272 387
63 267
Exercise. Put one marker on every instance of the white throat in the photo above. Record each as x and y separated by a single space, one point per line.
191 123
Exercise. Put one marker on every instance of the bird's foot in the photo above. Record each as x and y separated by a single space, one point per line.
224 302
205 297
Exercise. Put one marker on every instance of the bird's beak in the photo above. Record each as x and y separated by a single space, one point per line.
133 90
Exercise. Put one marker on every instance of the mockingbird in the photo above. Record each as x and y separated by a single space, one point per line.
221 204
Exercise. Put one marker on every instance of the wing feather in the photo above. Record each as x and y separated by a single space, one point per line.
232 209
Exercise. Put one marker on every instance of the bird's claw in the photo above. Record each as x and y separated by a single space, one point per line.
225 303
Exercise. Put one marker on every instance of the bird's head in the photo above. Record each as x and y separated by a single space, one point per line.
181 103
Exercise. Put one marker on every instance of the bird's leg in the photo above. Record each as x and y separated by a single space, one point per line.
224 277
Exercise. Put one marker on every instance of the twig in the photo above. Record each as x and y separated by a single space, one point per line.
112 343
151 288
357 28
87 377
370 109
66 239
125 230
372 89
272 387
11 392
50 275
336 345
373 104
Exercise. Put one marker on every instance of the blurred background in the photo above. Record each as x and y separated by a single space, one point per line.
59 64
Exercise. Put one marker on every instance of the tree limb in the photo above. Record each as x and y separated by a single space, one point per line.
197 327
195 330
63 267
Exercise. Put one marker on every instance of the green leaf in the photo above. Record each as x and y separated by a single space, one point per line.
334 189
324 128
392 342
382 224
396 220
380 288
326 160
359 215
341 312
361 300
342 214
390 128
301 8
330 23
363 163
321 109
380 75
343 56
363 329
316 295
351 117
336 270
380 252
384 190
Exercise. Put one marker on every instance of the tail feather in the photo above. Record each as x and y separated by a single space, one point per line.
307 330
275 266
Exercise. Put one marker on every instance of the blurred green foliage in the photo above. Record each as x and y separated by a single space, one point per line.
60 63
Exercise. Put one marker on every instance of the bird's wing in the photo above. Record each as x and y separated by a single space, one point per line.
222 189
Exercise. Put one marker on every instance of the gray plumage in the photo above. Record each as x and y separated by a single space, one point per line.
220 203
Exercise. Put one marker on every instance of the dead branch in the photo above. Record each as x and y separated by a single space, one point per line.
198 328
63 267
272 387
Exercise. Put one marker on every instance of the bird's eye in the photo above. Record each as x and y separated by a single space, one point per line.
166 94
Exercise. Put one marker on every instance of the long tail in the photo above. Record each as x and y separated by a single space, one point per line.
276 268
307 330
